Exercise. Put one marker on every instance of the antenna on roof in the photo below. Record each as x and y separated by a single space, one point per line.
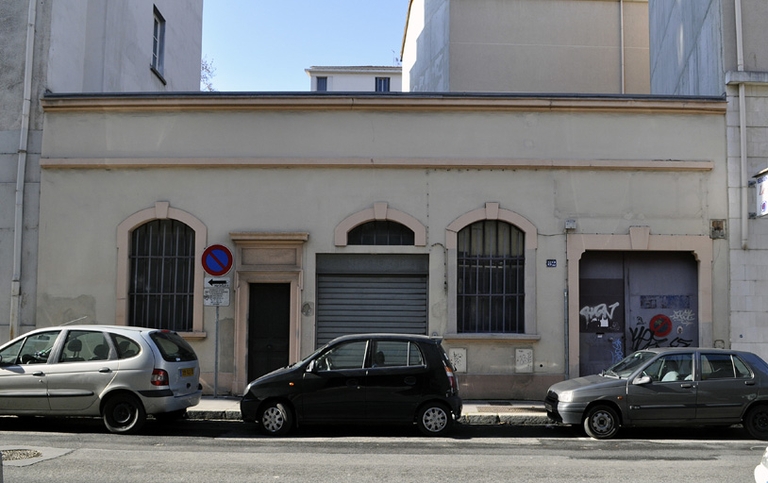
397 60
75 320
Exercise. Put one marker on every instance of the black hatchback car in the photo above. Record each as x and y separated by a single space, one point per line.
371 378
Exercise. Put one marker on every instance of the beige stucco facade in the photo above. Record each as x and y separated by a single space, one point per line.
280 179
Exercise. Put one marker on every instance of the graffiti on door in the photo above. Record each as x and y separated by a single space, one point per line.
672 323
599 316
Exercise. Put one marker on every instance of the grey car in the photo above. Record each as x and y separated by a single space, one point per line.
667 387
120 374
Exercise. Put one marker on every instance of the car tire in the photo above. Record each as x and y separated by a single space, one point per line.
756 422
601 422
124 414
434 419
275 419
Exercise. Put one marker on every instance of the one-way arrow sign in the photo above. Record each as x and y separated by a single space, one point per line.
217 282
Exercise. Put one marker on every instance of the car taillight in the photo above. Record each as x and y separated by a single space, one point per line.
159 377
451 378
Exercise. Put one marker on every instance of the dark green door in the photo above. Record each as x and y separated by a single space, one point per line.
268 327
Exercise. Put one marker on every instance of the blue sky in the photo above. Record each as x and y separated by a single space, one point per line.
265 45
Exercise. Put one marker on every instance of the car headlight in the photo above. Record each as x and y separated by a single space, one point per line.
565 396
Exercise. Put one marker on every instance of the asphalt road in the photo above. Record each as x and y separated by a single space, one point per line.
229 451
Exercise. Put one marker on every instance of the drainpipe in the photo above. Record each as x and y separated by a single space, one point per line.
742 129
18 227
621 40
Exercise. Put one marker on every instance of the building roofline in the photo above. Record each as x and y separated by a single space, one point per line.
391 101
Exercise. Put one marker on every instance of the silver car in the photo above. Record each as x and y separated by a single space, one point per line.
667 387
119 373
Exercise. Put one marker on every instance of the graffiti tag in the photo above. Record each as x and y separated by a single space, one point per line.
601 315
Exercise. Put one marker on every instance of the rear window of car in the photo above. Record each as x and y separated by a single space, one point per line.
172 347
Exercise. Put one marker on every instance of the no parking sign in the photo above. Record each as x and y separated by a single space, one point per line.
217 260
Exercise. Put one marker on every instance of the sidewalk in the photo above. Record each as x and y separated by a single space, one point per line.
487 413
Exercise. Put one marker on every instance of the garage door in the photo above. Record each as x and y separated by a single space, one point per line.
371 293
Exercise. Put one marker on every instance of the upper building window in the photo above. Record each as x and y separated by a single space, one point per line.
380 233
490 286
382 84
322 84
162 276
158 43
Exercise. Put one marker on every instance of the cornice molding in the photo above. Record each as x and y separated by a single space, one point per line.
179 102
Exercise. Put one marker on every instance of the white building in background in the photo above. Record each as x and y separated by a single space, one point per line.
73 46
355 78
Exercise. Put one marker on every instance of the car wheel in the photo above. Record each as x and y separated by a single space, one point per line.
601 422
124 413
275 419
434 419
756 422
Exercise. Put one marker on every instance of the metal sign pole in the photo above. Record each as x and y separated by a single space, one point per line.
216 358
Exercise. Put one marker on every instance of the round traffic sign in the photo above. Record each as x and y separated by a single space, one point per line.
217 260
660 325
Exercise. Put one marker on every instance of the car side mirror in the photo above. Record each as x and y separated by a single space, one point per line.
641 380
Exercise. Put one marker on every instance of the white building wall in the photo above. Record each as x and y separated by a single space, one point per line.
99 46
79 46
355 79
749 264
426 48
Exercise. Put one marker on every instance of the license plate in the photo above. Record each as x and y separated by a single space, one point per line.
187 372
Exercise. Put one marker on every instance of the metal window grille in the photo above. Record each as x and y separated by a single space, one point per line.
380 233
162 275
490 288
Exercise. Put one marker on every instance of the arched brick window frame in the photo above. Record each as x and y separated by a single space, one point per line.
380 212
492 211
161 211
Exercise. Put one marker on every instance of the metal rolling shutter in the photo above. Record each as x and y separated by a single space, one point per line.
392 300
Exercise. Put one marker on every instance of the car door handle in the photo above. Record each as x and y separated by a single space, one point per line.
38 373
410 380
105 370
353 383
749 383
686 385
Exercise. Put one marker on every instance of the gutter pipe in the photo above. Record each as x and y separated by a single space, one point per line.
742 129
18 227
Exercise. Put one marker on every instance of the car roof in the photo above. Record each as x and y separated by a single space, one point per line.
389 336
711 350
126 328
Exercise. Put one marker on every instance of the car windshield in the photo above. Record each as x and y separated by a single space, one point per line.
628 365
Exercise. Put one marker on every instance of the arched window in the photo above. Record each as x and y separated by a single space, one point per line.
491 276
380 233
161 284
